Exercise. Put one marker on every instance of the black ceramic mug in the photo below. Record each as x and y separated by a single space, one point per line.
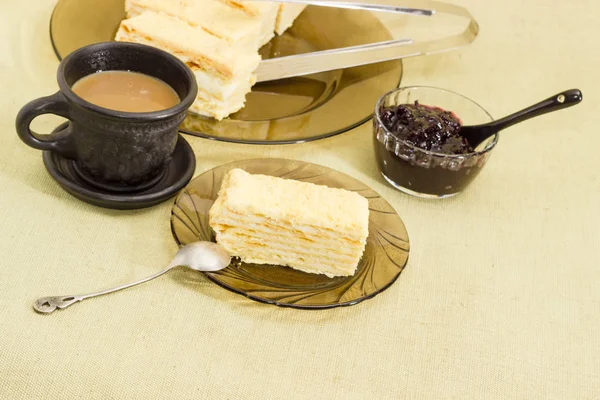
109 145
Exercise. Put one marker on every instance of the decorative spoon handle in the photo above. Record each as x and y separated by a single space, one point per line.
46 305
559 101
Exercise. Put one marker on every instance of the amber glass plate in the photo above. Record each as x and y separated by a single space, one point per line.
384 258
286 111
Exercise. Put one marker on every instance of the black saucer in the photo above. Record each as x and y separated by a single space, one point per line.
118 186
176 175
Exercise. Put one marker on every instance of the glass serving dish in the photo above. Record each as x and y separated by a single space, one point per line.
424 173
385 256
289 110
341 86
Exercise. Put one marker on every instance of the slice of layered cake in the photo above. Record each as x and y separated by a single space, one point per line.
213 16
312 228
225 73
218 39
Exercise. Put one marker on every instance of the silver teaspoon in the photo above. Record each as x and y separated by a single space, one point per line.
199 256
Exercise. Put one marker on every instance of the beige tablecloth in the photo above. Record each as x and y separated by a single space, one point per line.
500 298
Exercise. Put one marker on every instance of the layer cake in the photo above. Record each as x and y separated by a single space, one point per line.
225 74
218 39
215 17
269 220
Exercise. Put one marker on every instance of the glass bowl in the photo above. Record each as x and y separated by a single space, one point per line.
424 173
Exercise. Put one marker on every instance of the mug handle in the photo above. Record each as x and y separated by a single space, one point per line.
60 142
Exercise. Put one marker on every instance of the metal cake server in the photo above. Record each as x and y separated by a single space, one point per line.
353 56
199 256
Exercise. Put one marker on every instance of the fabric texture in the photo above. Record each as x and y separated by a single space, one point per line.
499 300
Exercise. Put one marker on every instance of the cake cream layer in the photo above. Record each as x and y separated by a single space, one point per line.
256 8
223 90
266 11
194 46
210 106
286 15
290 255
340 248
268 220
214 16
294 202
314 263
267 226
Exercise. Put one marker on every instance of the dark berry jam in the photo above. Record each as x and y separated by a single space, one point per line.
430 129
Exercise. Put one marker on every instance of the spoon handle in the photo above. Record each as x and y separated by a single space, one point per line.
559 101
46 305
